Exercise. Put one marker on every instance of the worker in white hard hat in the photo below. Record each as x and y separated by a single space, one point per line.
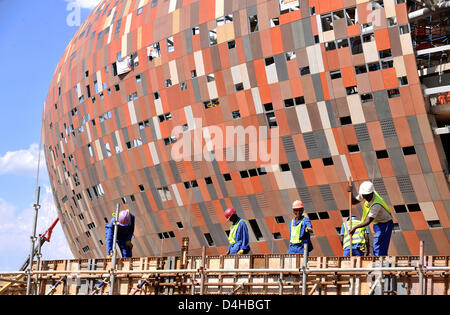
376 211
300 229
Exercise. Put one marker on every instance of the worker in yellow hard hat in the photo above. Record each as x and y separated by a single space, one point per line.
300 229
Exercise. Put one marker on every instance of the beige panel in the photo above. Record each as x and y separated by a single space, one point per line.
371 52
176 22
429 211
173 72
389 8
303 118
406 42
199 66
219 8
399 66
355 108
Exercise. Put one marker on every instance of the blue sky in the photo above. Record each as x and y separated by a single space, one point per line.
33 37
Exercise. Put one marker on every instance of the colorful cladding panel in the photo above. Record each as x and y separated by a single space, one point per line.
334 84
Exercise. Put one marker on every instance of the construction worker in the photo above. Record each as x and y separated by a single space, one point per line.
375 211
300 229
360 240
125 232
238 237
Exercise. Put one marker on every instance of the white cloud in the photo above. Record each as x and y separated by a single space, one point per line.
87 4
23 162
16 228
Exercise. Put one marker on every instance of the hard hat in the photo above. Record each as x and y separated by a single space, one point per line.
297 204
366 188
124 218
229 213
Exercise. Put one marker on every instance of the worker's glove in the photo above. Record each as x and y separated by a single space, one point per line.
128 245
308 230
109 255
349 188
240 252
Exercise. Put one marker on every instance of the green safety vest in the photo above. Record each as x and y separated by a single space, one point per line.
295 232
233 231
358 236
367 206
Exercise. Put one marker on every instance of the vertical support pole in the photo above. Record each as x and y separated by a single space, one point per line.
114 257
350 206
184 252
33 239
202 271
38 263
420 269
304 268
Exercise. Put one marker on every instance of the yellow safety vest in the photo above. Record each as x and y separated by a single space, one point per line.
295 232
368 206
358 236
233 231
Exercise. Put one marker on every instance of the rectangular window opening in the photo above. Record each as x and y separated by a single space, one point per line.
256 230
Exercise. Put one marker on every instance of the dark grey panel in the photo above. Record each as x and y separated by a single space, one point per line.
398 161
289 148
327 196
325 246
407 189
280 63
428 241
382 105
317 83
404 221
175 172
362 134
400 244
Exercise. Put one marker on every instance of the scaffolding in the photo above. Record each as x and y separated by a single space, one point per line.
274 274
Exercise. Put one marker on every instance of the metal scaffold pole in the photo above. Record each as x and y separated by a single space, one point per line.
33 239
114 256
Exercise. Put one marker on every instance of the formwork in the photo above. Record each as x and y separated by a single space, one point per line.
245 274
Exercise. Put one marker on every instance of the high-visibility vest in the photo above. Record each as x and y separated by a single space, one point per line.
367 206
358 236
295 232
233 230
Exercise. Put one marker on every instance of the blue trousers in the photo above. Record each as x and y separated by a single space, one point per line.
382 238
298 248
125 252
355 252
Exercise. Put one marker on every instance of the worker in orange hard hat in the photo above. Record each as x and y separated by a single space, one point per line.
238 237
300 229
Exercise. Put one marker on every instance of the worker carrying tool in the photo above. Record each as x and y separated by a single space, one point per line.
238 237
360 240
125 233
376 211
300 229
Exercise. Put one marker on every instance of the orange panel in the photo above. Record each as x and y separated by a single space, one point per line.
348 76
260 73
263 247
382 39
404 135
413 242
418 220
390 78
442 214
277 40
433 157
319 171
